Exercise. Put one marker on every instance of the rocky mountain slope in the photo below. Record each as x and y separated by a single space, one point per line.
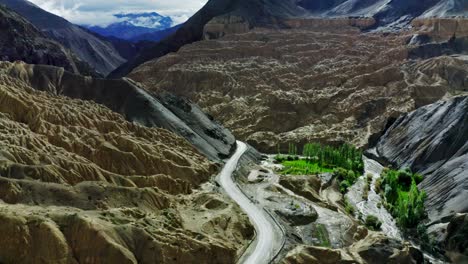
134 103
439 151
433 141
20 40
220 17
323 81
374 248
78 182
97 52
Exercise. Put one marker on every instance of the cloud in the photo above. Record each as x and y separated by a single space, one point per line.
100 12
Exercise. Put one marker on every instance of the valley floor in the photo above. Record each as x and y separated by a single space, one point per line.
313 217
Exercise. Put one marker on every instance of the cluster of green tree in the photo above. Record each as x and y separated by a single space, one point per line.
346 178
403 198
292 150
345 161
346 156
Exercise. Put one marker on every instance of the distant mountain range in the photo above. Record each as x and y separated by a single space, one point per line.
133 26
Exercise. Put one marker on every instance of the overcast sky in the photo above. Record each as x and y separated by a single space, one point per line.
100 12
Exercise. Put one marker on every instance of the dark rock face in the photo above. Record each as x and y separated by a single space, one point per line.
383 251
20 40
136 105
296 218
157 35
455 242
433 140
100 54
434 49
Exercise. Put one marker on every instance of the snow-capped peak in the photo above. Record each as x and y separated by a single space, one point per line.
146 20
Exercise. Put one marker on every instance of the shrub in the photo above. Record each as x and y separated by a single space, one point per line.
405 178
373 223
341 174
428 243
279 158
344 186
378 185
365 191
418 178
349 208
369 178
351 176
346 178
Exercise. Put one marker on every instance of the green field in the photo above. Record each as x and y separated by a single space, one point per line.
344 161
303 167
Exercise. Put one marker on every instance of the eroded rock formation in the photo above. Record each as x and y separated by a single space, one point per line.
220 17
375 248
78 182
134 103
278 86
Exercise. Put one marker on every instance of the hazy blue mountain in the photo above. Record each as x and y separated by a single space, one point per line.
131 26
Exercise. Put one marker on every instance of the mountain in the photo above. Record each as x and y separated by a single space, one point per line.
20 40
219 17
130 26
433 141
439 151
97 52
192 30
127 98
89 184
157 35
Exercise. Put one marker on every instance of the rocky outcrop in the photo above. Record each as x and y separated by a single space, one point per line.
332 24
455 241
97 52
433 141
79 182
275 87
442 29
134 103
20 40
375 248
305 186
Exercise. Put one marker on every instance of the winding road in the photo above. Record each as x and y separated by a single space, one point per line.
269 235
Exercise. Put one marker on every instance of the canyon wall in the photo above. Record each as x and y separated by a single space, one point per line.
134 103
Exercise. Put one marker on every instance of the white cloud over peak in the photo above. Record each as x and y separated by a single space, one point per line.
101 12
